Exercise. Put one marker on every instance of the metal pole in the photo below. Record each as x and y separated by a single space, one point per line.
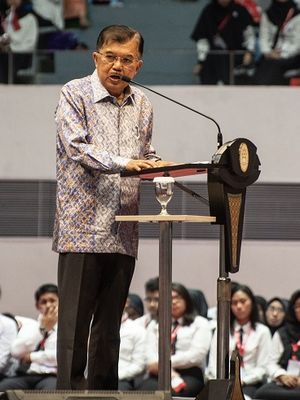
164 309
231 67
10 78
223 314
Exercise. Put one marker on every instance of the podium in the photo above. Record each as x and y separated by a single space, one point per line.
234 167
165 279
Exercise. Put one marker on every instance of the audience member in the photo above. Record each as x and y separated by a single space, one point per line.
76 14
151 300
8 333
190 341
284 359
131 357
49 13
199 301
250 337
21 27
253 8
279 38
261 304
275 313
223 26
36 347
134 307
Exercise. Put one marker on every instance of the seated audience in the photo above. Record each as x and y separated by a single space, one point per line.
199 301
151 301
35 347
284 358
76 14
279 39
131 357
21 28
261 303
134 307
190 342
275 313
49 13
8 333
223 26
250 337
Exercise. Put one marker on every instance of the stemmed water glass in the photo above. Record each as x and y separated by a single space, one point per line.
164 191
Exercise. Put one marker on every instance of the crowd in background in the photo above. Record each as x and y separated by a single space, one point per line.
258 46
236 40
266 335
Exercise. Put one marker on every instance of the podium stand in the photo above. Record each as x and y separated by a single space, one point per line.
234 167
165 283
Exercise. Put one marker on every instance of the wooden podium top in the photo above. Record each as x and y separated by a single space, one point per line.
166 218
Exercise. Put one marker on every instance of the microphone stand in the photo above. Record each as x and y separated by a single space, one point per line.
223 282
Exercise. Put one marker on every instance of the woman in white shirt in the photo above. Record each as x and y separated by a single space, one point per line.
251 338
21 27
190 342
284 359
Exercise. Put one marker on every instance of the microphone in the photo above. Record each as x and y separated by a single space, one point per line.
219 136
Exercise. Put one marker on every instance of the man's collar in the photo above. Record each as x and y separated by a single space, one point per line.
101 93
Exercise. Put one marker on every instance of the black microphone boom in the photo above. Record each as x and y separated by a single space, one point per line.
219 137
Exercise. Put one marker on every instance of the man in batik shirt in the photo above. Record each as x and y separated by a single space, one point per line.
104 126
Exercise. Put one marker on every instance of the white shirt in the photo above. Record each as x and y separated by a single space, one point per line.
288 42
274 369
256 350
131 359
24 39
8 333
192 344
25 341
29 337
51 10
143 321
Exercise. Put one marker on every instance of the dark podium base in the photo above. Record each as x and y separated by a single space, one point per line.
216 389
221 389
82 395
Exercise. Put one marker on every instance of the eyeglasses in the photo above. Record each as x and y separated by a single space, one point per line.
279 310
108 58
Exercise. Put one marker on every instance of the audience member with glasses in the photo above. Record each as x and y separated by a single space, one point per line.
190 342
104 127
275 313
284 358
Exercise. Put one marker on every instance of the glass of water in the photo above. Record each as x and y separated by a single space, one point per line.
164 186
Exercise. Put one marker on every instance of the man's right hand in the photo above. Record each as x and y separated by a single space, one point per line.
49 318
138 165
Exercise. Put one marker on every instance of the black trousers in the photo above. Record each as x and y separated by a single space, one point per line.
29 381
193 378
271 72
92 293
272 391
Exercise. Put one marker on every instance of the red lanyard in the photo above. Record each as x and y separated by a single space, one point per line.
289 15
223 23
174 337
240 344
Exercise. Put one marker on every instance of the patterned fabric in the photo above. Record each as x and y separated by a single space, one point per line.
96 137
